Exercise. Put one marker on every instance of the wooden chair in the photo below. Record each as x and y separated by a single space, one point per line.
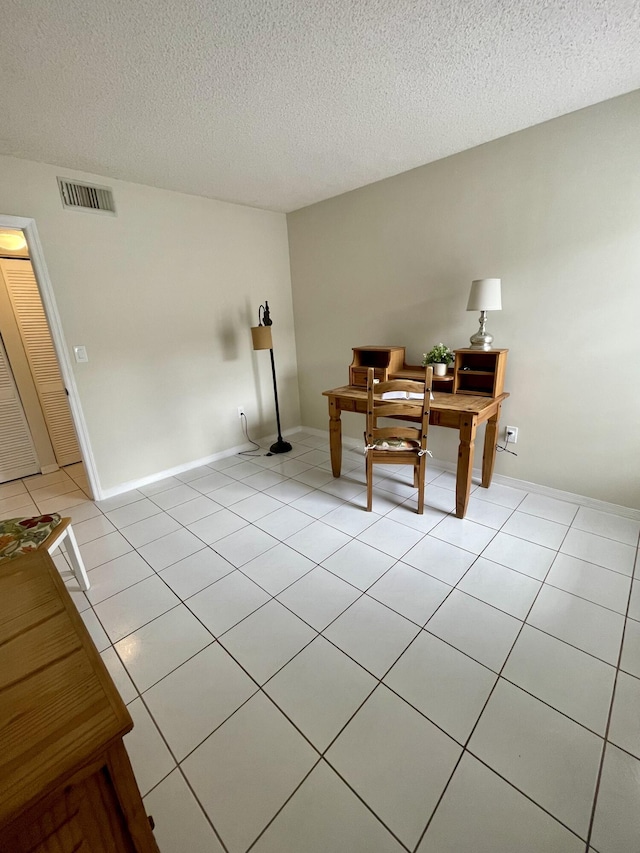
398 445
43 532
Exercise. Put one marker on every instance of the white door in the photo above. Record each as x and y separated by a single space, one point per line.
17 453
41 355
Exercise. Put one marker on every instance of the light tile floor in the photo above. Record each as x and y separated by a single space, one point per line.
306 677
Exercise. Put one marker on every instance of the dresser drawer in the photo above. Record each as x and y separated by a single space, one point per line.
358 375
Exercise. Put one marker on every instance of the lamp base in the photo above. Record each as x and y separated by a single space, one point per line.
280 446
482 339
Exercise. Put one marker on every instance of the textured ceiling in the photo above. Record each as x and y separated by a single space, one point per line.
281 103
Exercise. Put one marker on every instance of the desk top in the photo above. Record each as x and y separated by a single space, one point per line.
442 402
57 701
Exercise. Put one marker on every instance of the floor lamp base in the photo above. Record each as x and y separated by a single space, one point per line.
280 446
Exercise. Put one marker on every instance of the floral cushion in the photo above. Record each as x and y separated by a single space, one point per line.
395 444
20 535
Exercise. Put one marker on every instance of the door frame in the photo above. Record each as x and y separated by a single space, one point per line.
36 254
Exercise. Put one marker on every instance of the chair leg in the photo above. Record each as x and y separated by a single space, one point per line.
75 559
369 468
420 474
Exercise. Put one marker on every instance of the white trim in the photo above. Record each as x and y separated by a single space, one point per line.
171 472
357 444
549 492
511 482
51 310
188 466
558 494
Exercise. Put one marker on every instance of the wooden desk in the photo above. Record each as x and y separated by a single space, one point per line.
456 411
65 779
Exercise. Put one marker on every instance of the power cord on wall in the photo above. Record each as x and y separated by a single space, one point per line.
245 430
510 432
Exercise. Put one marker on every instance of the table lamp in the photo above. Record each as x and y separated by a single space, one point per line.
261 337
484 296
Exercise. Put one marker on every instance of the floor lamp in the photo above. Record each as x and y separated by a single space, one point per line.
261 335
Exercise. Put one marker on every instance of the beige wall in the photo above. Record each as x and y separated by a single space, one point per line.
163 296
555 212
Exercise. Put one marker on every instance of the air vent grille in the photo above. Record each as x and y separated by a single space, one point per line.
77 195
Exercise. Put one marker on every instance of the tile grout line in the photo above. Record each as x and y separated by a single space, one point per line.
606 741
465 747
289 798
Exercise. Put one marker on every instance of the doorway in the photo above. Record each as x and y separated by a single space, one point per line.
38 381
31 359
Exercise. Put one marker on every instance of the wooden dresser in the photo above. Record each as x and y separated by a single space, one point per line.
66 783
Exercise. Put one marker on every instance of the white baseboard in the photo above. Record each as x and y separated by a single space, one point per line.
523 485
171 472
570 497
188 466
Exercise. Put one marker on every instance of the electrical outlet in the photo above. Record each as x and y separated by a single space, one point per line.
511 434
241 413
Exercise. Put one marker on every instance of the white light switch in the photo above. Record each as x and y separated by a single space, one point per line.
81 354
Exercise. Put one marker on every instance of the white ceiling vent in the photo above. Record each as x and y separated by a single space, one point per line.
77 195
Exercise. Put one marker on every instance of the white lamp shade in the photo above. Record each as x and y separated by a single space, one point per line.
485 295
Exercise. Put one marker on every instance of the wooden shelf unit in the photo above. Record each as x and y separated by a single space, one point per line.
479 372
389 363
385 361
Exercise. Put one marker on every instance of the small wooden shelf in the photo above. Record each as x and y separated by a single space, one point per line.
479 372
416 372
384 360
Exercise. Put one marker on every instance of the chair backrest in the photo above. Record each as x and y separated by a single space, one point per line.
416 406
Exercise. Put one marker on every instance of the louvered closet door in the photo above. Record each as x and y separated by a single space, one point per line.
43 362
17 454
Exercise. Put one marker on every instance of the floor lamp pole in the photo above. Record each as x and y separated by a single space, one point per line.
261 337
280 446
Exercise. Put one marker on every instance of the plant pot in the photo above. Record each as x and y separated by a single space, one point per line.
439 369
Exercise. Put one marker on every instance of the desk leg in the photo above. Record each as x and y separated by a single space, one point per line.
335 436
465 463
490 441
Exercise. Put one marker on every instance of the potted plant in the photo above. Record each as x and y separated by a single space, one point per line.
440 356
